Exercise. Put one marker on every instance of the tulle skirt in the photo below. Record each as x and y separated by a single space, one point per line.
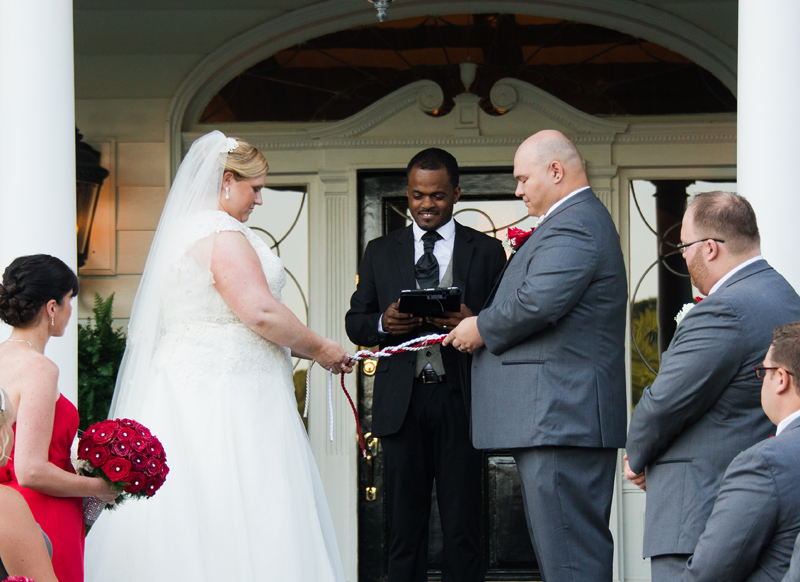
243 500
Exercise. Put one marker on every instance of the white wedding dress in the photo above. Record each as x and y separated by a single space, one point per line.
243 500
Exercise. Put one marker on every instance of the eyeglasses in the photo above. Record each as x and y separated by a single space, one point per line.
683 246
761 371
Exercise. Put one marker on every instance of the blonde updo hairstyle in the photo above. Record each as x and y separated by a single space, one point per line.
245 162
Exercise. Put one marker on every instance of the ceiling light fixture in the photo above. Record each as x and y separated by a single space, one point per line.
381 6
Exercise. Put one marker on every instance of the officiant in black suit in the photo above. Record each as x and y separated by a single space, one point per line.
420 400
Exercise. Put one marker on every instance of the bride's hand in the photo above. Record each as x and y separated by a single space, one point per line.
332 356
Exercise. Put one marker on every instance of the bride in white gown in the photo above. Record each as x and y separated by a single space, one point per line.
206 371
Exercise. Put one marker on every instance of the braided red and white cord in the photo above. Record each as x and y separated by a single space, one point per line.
414 345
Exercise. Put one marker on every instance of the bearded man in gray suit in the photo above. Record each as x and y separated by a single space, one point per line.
549 368
756 517
704 407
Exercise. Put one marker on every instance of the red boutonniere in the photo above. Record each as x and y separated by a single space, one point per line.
515 237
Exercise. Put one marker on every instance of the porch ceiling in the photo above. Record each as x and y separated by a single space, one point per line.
143 49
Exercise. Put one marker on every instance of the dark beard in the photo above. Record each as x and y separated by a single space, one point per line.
698 271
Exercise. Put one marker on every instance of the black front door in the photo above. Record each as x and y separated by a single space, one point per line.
488 204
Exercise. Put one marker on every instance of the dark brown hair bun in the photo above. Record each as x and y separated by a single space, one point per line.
29 283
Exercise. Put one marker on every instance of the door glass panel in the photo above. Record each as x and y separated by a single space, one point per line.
282 222
659 280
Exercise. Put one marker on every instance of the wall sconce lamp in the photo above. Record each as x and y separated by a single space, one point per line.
89 179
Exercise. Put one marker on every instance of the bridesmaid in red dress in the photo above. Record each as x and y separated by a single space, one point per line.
35 300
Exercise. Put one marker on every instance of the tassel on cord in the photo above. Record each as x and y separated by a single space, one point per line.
330 405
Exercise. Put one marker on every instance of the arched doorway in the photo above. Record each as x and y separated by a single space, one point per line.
326 157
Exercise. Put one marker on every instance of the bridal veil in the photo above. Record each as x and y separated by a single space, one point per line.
196 187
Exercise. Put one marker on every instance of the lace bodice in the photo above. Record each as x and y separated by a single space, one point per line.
199 327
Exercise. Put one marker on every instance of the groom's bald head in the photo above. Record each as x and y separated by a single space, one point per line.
550 145
547 167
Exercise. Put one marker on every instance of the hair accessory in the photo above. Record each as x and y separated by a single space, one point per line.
227 192
230 145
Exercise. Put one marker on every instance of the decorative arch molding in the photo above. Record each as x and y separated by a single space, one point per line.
244 51
508 93
412 102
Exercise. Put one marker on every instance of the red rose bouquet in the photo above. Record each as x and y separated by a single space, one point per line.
127 455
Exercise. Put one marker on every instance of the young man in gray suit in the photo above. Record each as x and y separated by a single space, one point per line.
756 517
704 408
549 369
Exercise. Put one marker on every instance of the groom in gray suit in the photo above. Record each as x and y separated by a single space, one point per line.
704 407
549 369
756 517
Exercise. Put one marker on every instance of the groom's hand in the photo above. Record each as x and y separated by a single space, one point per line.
396 323
465 337
637 479
450 319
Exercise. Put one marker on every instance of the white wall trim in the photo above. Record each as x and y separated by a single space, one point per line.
265 140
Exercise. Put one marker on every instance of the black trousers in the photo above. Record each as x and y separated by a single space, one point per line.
433 444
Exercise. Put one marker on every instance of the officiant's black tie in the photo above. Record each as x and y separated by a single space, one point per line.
427 266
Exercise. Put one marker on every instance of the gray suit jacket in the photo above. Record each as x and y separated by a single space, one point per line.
756 518
793 575
704 408
552 371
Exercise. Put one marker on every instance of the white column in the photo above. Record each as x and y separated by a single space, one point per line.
37 148
334 232
768 118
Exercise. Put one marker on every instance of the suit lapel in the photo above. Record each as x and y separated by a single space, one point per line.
405 258
497 283
579 197
583 196
794 425
751 269
505 267
462 257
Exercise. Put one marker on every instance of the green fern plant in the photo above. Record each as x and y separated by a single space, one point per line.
644 321
100 350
